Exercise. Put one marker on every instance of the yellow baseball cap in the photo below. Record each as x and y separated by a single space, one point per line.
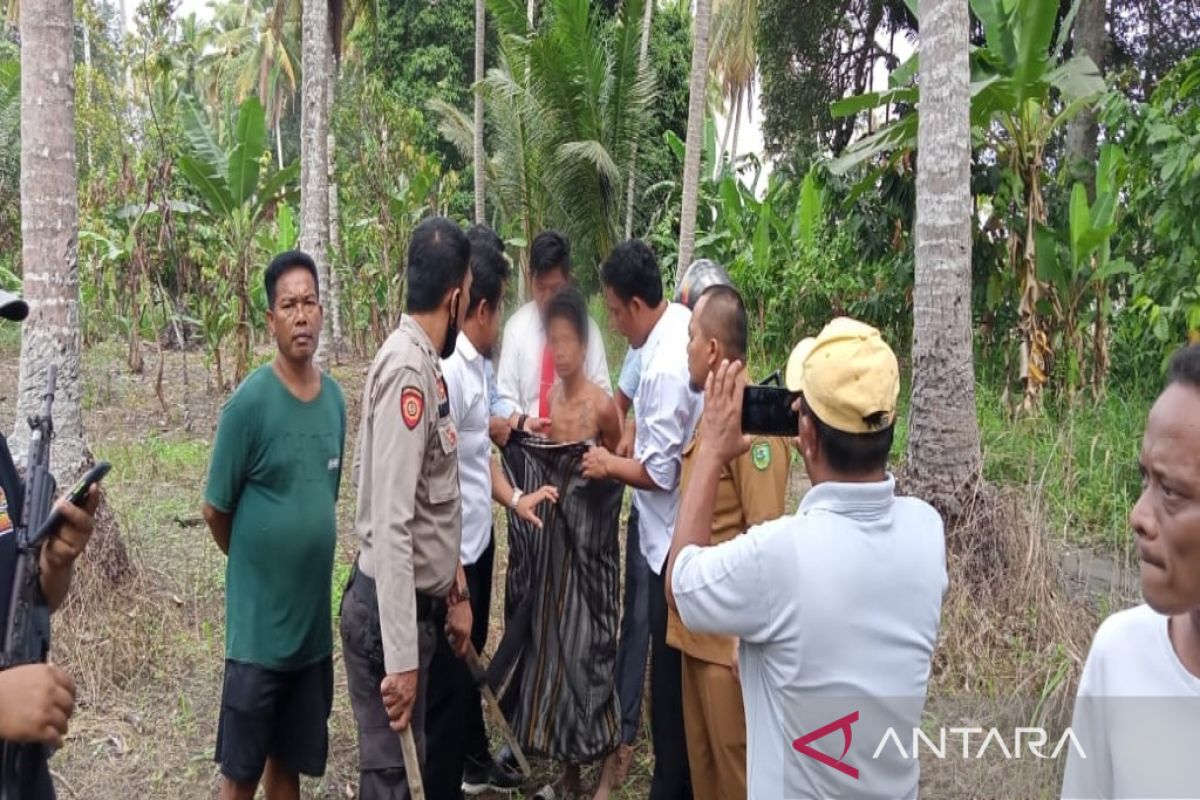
848 376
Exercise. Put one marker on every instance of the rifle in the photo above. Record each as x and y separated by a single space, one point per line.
27 629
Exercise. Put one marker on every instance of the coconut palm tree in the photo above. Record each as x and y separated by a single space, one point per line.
943 444
691 162
643 65
477 152
734 61
314 148
50 229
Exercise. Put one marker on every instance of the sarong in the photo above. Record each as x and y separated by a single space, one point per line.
554 666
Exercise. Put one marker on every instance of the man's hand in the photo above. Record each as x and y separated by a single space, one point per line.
538 426
36 700
499 429
529 502
625 448
68 542
721 423
458 627
399 692
595 464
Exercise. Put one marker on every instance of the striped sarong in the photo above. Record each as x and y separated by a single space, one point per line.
554 665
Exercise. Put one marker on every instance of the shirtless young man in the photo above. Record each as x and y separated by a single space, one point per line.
580 411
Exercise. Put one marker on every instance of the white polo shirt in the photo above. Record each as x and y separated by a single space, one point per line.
838 609
466 387
1137 714
519 373
665 410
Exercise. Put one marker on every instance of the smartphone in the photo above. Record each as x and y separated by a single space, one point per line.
77 495
767 411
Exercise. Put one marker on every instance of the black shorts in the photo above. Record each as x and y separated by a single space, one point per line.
280 715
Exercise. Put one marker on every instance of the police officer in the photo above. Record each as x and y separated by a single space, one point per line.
408 584
36 700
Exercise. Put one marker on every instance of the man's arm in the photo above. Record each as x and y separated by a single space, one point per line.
609 423
220 524
228 468
760 479
503 491
597 361
66 545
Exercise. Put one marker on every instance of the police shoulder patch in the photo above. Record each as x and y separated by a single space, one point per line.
760 455
412 406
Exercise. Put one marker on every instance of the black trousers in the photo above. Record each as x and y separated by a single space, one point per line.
672 776
381 765
454 719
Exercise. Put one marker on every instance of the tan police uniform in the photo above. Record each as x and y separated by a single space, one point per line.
409 525
751 490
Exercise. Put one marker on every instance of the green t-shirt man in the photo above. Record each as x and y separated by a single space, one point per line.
276 466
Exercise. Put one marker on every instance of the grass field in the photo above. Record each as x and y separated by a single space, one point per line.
148 655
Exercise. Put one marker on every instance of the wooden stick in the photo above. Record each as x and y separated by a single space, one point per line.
479 674
412 764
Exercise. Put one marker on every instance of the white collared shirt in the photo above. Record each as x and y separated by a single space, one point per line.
519 374
666 410
838 609
466 387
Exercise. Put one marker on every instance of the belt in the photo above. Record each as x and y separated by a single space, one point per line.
429 607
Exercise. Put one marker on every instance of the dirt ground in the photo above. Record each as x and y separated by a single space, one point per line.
148 655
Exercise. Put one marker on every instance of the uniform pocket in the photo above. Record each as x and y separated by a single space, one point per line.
443 474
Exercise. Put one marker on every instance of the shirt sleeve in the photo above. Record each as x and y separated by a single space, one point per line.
631 373
760 478
1092 776
498 405
508 381
723 589
597 359
663 427
398 451
232 454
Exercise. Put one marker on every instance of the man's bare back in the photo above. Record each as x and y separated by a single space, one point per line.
585 414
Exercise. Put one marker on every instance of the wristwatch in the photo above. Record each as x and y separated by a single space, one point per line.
516 498
458 595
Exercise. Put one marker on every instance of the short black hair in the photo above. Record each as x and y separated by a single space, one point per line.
852 453
632 271
489 271
438 254
725 319
482 234
569 305
1185 367
550 251
284 262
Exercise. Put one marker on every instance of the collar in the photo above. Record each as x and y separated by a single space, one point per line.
418 334
855 500
657 332
466 349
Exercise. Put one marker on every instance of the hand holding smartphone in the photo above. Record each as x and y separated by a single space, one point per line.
767 411
77 496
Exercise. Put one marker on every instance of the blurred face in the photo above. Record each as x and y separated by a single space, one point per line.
1166 518
547 285
702 352
565 346
295 319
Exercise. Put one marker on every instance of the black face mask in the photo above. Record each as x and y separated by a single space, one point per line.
451 333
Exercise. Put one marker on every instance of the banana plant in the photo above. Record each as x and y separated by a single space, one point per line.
236 193
1078 268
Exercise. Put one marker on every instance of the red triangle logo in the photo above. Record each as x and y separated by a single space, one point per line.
801 745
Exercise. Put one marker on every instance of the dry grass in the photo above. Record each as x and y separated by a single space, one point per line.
148 656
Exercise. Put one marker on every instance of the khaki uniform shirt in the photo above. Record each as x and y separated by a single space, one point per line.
409 520
750 491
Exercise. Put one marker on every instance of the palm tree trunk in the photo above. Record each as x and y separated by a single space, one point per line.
643 62
279 142
1083 131
943 445
737 126
333 305
314 132
695 136
478 155
50 228
725 138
